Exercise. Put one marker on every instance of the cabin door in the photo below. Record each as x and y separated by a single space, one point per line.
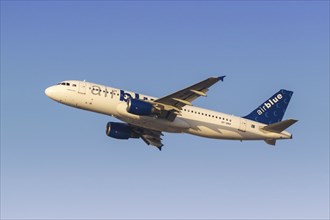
82 87
242 125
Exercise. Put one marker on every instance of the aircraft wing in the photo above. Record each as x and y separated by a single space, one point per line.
150 137
172 104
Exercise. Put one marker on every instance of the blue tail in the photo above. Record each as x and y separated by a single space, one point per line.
273 109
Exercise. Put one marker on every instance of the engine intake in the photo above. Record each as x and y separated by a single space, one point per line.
139 107
120 131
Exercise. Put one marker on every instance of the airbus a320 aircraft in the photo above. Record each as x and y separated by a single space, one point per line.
147 117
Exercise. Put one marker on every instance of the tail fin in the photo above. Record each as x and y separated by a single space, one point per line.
273 109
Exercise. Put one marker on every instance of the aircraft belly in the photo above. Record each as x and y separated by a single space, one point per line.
177 126
216 133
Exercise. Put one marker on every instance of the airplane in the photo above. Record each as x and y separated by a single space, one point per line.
147 117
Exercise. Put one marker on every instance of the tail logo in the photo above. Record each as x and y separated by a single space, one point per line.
269 104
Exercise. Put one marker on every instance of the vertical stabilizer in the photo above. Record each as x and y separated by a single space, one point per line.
273 109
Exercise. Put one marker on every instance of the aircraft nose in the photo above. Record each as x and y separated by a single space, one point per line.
50 92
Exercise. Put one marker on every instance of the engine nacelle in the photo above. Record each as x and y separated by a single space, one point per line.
120 131
139 107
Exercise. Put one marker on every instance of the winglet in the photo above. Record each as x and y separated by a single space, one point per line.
221 77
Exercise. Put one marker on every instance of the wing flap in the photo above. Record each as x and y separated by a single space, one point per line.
149 136
182 101
200 93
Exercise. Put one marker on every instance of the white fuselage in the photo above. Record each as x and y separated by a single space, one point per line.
193 120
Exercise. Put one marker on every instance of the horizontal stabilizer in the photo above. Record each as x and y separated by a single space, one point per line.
278 127
271 141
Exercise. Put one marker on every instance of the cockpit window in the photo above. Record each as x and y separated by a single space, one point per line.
64 83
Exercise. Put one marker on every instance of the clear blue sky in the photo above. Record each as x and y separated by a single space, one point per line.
57 162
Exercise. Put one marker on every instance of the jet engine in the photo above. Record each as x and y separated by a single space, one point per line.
120 131
139 107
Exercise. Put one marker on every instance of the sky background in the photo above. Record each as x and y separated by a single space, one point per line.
57 162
